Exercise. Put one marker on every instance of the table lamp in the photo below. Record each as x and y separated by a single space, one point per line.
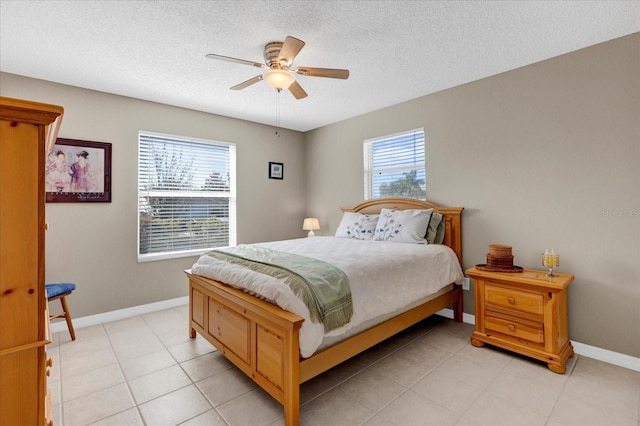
310 224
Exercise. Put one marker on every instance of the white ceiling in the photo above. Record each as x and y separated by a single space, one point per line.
395 50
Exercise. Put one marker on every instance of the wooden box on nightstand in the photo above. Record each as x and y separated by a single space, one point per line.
524 312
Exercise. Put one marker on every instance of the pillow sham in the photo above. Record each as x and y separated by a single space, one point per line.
403 226
432 230
357 225
440 232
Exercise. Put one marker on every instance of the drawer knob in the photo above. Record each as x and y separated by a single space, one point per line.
49 362
511 301
511 327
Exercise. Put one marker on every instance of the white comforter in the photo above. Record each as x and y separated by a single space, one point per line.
384 277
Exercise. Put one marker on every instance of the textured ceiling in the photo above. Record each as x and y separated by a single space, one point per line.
395 50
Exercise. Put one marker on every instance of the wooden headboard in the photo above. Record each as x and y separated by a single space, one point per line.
453 224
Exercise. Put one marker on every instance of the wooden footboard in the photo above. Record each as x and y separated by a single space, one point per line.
262 340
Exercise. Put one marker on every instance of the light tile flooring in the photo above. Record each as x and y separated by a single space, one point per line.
146 371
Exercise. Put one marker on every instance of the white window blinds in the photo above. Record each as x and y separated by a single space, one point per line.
394 166
186 195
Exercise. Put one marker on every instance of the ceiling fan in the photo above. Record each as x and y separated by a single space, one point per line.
278 57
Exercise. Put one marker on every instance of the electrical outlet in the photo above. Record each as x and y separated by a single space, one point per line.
466 283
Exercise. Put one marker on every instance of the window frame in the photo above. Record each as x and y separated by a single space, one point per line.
370 171
193 193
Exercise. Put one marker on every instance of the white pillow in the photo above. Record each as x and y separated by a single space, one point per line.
357 225
403 226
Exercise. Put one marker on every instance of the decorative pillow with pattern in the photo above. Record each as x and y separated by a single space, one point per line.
403 226
357 225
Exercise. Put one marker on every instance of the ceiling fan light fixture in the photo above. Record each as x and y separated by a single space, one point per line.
278 57
278 79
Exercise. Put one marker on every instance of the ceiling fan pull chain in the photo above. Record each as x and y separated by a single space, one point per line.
278 112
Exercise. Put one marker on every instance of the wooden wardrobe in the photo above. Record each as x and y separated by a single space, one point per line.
27 131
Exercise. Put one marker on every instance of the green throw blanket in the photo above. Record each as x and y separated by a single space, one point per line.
323 287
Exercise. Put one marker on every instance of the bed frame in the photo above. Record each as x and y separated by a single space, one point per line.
262 340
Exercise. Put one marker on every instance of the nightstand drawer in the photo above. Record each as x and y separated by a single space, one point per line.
527 331
532 303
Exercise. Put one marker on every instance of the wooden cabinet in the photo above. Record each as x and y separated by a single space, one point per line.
524 312
27 130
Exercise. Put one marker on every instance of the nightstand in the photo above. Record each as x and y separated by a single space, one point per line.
524 312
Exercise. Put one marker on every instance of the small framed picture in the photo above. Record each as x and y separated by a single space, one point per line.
78 172
276 170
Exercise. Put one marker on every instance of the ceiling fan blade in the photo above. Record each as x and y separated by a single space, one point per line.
290 49
247 83
323 72
297 91
236 60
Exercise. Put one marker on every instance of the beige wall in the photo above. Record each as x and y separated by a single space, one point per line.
547 155
94 245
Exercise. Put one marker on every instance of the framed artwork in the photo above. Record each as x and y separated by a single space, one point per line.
78 172
276 170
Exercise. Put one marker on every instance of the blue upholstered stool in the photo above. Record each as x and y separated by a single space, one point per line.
60 291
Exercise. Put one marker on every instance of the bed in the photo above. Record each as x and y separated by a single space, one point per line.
263 340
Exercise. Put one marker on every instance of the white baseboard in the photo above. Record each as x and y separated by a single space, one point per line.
615 358
448 313
594 352
119 314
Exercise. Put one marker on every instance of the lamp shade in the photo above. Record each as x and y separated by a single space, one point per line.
310 224
278 79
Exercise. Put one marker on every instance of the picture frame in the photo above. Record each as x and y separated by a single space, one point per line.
78 171
276 170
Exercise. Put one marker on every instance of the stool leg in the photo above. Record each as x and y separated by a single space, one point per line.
67 317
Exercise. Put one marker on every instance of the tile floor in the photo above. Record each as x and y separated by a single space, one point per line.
146 371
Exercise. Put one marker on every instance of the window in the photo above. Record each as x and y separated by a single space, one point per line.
186 195
394 166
